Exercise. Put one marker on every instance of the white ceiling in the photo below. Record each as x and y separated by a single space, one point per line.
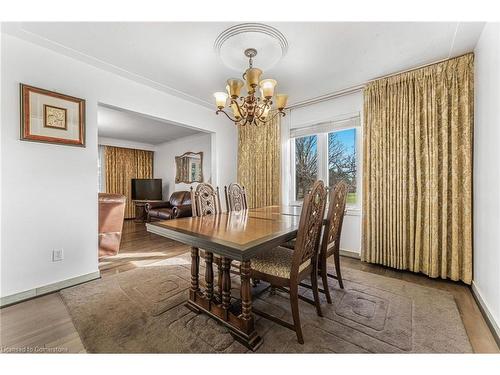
322 57
130 126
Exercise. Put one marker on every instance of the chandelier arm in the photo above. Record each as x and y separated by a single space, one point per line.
281 113
239 108
260 111
263 109
229 117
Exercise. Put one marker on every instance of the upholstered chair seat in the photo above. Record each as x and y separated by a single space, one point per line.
277 262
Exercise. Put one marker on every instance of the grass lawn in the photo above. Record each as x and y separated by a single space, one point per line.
351 198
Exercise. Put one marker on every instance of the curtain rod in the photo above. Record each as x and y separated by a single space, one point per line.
356 88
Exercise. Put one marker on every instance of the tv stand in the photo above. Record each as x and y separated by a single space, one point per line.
140 209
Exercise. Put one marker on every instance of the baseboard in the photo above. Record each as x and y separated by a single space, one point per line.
350 254
490 320
37 292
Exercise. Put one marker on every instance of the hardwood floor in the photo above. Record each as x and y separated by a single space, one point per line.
139 248
44 325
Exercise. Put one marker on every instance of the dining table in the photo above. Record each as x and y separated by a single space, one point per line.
226 237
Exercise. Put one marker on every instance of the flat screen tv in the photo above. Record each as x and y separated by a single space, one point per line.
146 189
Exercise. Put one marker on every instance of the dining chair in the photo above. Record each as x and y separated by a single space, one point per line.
284 268
236 197
330 243
205 201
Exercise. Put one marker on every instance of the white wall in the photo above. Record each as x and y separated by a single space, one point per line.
164 160
334 109
105 141
487 169
49 192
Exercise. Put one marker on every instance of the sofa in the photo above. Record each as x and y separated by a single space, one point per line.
111 216
179 205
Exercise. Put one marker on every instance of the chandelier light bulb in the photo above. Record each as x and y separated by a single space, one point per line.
281 100
220 99
267 86
234 86
253 76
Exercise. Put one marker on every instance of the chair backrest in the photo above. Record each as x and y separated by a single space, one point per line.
205 200
236 197
334 218
311 221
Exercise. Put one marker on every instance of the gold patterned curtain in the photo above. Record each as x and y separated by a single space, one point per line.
259 158
417 170
122 165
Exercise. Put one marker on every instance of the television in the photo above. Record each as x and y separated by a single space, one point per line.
146 189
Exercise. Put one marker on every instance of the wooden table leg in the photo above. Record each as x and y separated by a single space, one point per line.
209 275
246 296
226 284
219 278
252 339
195 269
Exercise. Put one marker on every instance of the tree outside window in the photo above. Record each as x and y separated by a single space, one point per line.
342 160
306 164
339 157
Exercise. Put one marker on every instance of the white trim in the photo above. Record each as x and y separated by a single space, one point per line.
291 187
350 253
36 292
323 162
285 155
353 211
123 143
486 311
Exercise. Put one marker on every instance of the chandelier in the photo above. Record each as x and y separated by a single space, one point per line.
250 109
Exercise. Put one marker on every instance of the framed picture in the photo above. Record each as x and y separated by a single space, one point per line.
48 116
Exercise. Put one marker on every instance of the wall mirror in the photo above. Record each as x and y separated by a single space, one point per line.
189 167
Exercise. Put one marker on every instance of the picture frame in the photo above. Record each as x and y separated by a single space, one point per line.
51 117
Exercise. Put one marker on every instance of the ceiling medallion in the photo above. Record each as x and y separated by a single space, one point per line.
250 109
232 42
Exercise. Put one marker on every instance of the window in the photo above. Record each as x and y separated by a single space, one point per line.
326 151
342 160
306 164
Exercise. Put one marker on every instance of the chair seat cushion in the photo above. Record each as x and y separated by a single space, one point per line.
276 262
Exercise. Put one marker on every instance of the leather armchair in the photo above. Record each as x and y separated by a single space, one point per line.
111 216
179 205
184 210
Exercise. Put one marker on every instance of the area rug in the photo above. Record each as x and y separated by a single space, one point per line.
142 311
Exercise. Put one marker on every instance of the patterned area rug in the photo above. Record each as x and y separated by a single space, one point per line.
143 310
